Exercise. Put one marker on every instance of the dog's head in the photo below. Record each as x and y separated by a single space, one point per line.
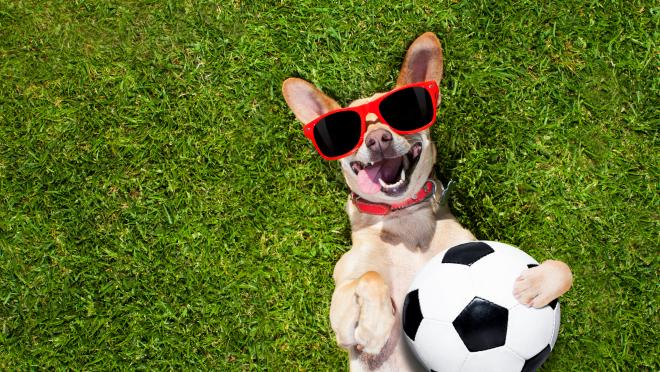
387 167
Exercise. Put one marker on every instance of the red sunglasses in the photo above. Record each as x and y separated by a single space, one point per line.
407 109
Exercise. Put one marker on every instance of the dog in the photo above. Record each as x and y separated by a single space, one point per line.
397 216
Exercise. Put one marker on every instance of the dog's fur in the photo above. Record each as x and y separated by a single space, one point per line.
372 278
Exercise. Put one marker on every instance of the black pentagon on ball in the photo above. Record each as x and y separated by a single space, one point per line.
412 314
467 253
482 325
533 363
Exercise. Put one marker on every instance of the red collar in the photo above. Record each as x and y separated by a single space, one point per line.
382 209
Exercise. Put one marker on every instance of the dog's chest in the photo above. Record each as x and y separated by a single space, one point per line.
403 266
397 246
401 259
405 259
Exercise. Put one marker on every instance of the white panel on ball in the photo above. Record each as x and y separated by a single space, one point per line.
439 347
555 333
530 329
493 276
503 358
444 293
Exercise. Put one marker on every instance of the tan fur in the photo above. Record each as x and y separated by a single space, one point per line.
373 276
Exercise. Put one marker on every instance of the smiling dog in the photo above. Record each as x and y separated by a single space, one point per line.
398 223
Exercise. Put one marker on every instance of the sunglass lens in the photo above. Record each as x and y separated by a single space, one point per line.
408 109
338 134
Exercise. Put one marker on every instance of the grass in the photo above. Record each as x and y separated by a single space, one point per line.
160 208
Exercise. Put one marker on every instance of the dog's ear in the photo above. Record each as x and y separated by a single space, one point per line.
305 100
423 61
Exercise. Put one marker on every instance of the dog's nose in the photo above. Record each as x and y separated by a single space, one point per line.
379 139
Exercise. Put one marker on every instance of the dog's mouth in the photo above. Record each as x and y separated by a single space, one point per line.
390 175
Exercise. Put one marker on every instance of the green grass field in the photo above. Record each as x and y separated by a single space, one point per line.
160 207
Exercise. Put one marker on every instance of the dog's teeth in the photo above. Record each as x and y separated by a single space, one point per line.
392 186
406 162
403 174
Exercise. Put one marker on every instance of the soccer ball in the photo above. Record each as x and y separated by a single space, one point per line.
460 313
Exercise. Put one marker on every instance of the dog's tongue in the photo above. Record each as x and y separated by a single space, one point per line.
368 180
387 170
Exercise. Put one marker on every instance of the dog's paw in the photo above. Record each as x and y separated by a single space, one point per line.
362 314
371 338
540 285
377 315
344 314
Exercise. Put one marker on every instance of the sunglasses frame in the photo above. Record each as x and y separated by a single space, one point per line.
373 107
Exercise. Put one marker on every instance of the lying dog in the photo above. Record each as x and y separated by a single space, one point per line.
398 223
